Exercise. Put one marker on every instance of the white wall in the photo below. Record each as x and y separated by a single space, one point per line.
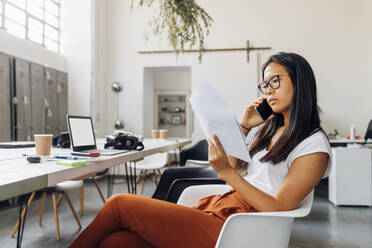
148 102
76 47
30 51
335 36
172 80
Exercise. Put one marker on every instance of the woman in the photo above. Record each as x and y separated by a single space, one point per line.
290 154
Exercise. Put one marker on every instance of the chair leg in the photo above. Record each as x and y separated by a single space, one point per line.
159 173
99 190
55 210
42 207
81 200
143 181
72 210
23 213
139 176
59 199
156 178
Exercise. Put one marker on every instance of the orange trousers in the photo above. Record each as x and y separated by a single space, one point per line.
134 221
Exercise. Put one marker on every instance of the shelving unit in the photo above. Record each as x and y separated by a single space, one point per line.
172 112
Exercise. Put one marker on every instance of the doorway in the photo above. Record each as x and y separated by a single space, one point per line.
166 105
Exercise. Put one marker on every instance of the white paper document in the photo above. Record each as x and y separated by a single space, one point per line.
215 117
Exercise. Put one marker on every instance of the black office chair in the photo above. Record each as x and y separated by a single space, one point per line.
199 152
174 180
369 132
179 185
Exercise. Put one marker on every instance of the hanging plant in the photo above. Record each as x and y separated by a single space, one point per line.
186 22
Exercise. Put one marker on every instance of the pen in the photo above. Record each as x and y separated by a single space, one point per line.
66 157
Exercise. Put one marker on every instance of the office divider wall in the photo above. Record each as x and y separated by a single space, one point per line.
5 129
33 99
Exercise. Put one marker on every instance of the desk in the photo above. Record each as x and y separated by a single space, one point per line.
18 177
350 180
344 142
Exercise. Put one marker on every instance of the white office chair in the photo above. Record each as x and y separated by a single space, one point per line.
152 162
254 230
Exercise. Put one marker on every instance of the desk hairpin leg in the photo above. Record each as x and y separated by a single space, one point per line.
127 176
135 178
22 222
109 185
131 178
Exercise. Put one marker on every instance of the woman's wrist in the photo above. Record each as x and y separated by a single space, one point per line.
227 175
245 129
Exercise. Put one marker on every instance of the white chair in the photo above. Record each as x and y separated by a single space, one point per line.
254 230
197 163
152 162
62 189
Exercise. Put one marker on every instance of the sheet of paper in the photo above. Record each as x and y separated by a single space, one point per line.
215 117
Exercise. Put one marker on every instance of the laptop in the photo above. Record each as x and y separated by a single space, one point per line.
82 137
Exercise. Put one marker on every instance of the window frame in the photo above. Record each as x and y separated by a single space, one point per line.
37 18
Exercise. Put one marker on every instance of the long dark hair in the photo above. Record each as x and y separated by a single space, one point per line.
304 116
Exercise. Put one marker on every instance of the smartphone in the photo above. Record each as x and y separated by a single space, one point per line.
264 110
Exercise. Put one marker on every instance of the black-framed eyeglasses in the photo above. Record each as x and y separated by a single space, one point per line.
274 83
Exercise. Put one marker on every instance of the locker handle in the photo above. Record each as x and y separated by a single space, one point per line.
25 100
46 104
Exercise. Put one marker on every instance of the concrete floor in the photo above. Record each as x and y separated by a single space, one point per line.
326 226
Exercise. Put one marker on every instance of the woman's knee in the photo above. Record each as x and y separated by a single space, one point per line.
123 239
123 200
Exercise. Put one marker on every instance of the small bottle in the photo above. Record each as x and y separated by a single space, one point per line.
352 132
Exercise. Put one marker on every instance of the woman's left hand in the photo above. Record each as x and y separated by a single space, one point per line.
218 159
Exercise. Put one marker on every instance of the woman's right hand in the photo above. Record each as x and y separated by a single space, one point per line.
250 117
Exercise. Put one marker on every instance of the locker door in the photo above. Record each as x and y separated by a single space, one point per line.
37 98
5 129
62 89
51 103
23 99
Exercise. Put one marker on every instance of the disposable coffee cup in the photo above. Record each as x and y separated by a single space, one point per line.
163 133
43 143
155 134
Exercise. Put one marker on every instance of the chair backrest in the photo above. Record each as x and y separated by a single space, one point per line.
369 131
172 174
199 151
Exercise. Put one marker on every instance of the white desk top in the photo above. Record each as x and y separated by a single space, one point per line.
17 176
344 140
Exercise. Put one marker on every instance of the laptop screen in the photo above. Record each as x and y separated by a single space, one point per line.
81 132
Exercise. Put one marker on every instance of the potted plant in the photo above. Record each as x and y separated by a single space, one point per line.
185 21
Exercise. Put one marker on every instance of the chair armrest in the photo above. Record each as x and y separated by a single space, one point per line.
255 231
257 226
191 162
191 195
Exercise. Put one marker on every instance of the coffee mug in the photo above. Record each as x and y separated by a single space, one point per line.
155 134
43 143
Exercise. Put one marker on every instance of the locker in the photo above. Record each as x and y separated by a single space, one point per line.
51 101
22 99
5 120
62 89
37 98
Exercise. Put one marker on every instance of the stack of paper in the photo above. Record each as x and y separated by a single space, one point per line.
215 117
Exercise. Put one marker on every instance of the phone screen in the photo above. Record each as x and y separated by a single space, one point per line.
264 110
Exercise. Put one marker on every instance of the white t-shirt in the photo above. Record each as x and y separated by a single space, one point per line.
268 177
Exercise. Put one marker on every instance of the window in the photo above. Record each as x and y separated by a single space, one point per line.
35 20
